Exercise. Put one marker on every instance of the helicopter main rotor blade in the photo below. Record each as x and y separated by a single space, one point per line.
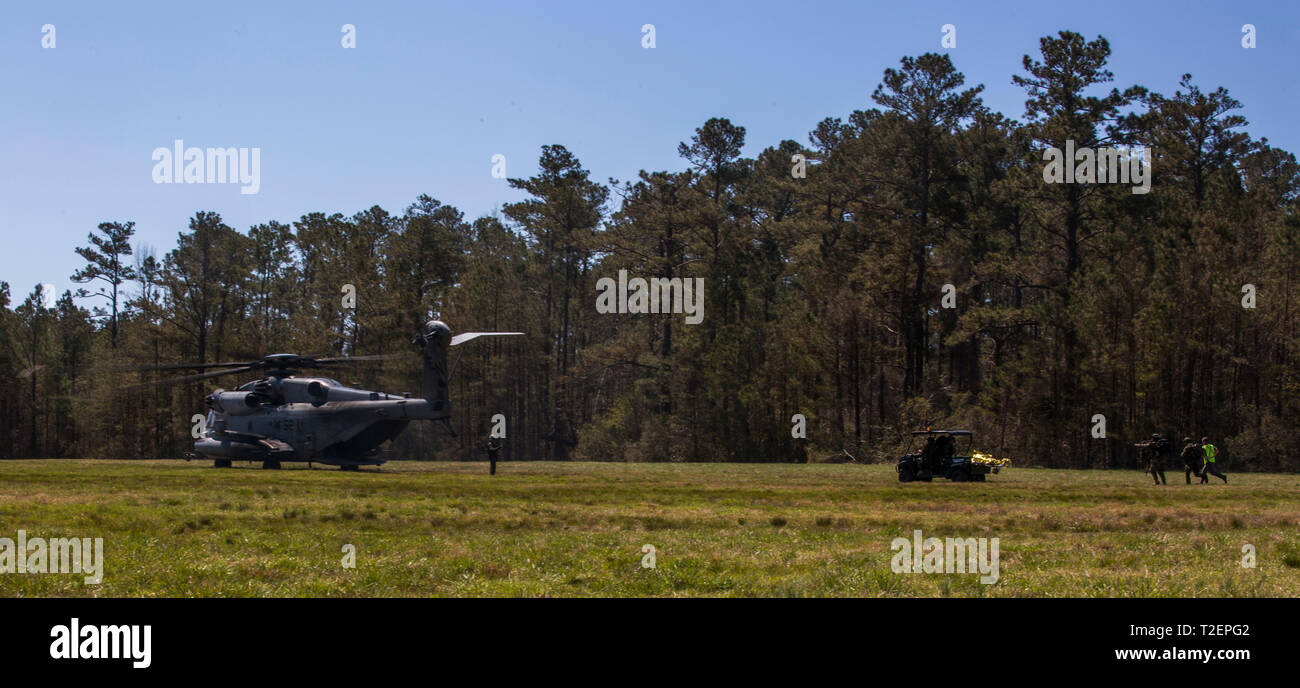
359 359
466 336
187 378
181 366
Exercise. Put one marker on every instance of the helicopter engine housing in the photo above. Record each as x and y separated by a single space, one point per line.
234 403
319 392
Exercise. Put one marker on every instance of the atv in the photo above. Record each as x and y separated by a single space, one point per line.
951 458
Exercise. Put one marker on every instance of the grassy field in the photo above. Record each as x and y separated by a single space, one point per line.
173 528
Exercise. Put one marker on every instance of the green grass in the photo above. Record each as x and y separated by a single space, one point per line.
173 528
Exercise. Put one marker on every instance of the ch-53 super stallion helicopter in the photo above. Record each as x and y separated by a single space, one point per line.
287 416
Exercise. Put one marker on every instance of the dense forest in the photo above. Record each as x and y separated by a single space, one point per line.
825 267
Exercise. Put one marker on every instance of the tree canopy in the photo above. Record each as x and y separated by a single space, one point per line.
907 266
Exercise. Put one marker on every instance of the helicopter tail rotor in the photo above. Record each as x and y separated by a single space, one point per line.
435 343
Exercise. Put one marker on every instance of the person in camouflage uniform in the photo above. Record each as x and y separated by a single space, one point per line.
1191 459
1155 450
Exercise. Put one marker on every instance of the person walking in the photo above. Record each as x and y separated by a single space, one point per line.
1191 457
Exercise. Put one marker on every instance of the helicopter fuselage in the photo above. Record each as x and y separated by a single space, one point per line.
288 418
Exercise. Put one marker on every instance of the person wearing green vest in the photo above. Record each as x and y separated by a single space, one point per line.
1211 453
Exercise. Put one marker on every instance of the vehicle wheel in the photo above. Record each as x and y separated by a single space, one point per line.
906 474
959 475
273 465
221 463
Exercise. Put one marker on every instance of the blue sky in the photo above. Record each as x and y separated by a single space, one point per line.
433 90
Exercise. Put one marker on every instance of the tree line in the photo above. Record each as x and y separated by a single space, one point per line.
906 266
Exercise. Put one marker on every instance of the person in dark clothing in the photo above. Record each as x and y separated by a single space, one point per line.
928 455
945 446
1155 450
1191 457
493 447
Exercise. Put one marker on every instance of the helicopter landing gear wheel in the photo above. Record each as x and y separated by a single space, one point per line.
272 465
221 463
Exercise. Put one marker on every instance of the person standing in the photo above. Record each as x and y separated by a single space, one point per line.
493 447
1191 456
1211 453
